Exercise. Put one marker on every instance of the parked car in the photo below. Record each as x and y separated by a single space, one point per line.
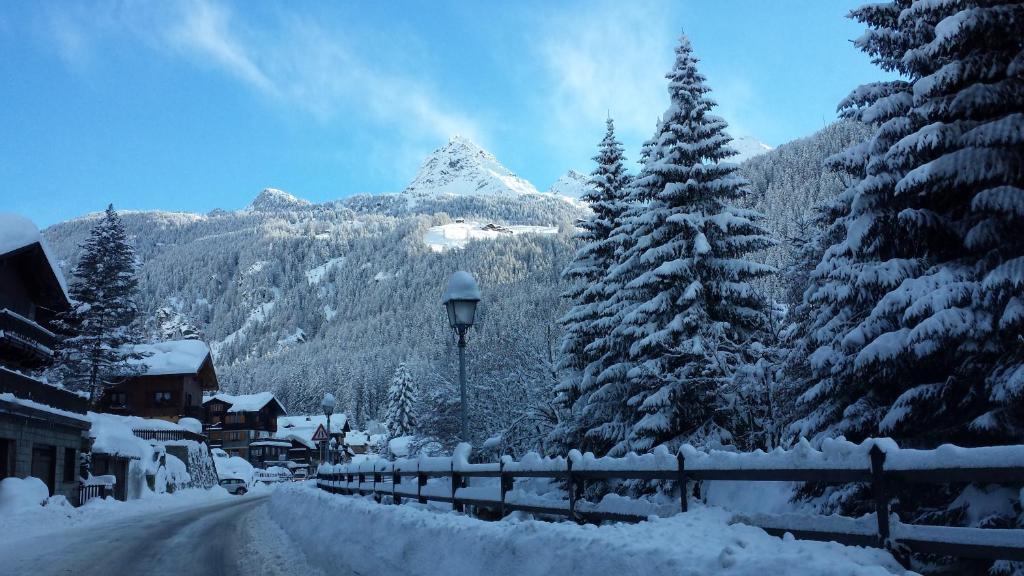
234 485
299 475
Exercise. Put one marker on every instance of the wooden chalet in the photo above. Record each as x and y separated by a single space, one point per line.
173 376
42 428
234 422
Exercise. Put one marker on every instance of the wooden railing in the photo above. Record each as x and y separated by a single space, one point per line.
87 492
168 435
30 389
384 480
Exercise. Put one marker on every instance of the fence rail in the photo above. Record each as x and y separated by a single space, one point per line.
87 492
384 480
168 435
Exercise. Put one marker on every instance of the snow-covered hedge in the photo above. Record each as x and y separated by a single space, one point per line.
341 533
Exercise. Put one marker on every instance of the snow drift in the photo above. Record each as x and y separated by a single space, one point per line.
410 539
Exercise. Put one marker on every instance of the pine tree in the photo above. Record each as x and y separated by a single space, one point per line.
595 256
918 318
688 271
604 412
400 418
101 324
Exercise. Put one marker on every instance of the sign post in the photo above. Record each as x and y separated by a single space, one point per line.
321 437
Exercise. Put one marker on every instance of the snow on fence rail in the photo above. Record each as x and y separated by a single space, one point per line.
880 463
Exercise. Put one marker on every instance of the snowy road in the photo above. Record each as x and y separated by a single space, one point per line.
226 538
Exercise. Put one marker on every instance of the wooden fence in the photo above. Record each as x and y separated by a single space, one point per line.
87 492
168 435
385 480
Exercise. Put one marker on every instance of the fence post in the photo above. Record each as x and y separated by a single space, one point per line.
878 491
501 484
572 489
456 481
682 481
376 478
421 481
396 479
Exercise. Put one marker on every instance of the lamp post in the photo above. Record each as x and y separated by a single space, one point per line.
328 405
460 300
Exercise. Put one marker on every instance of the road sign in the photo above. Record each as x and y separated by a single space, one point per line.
320 435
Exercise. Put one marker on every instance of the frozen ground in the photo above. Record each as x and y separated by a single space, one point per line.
413 540
198 534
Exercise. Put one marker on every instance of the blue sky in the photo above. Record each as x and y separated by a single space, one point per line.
199 104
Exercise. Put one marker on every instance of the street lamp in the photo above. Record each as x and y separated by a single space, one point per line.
460 300
328 405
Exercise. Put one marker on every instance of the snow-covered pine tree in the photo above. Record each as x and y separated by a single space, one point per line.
689 271
400 418
607 199
919 320
604 411
101 324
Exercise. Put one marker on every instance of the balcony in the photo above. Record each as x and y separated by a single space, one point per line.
23 341
27 388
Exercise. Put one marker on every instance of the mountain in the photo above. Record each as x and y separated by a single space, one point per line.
461 168
747 148
302 299
572 184
274 200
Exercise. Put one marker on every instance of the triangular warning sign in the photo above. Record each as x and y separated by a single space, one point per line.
320 435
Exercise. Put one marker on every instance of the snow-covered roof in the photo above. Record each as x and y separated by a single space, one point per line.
17 232
302 428
172 357
462 286
278 443
245 402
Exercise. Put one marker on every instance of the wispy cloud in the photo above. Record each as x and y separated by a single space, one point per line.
298 63
204 29
611 59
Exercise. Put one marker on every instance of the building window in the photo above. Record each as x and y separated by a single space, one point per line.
257 452
235 418
161 398
70 464
216 408
118 399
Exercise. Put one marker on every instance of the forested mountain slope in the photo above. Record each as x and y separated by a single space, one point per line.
301 298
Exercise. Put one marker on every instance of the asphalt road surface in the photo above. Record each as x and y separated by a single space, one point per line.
226 538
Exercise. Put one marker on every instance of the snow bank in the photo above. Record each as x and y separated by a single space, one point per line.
191 424
420 541
112 434
17 494
58 514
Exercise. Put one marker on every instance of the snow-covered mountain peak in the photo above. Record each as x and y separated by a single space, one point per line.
746 148
462 168
272 200
572 184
